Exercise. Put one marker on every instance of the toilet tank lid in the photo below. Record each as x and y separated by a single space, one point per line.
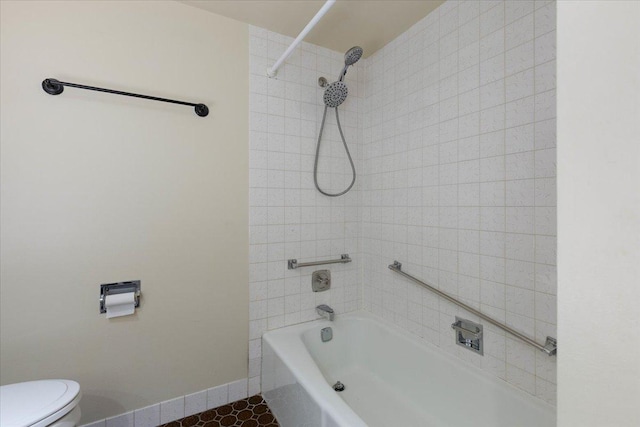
24 404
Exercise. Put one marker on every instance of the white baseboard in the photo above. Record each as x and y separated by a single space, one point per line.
180 407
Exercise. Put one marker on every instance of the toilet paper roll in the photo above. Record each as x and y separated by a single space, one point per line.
120 304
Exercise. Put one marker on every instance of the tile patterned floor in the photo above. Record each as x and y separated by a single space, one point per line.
250 412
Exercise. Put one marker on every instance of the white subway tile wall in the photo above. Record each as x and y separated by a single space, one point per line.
458 180
452 126
288 217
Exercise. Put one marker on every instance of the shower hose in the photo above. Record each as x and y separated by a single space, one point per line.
344 142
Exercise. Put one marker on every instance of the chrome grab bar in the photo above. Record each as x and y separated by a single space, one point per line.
293 263
550 347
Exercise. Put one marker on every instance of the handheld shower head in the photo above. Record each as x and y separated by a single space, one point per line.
336 93
352 56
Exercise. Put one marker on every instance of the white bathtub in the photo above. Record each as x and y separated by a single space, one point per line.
390 381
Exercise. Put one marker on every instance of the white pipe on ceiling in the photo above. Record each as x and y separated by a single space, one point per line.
271 72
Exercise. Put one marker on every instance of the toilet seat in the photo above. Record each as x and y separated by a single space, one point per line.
37 403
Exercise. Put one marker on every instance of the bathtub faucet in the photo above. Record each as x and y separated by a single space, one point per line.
325 311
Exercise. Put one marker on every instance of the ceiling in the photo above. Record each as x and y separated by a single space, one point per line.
367 23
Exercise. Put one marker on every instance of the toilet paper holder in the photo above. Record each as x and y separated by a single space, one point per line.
119 288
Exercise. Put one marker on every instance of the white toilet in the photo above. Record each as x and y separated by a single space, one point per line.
45 403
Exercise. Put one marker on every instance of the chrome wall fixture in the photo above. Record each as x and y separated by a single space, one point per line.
550 347
56 87
326 334
321 280
468 334
119 288
293 263
325 311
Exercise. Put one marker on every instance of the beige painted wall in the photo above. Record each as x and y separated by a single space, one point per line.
598 214
98 188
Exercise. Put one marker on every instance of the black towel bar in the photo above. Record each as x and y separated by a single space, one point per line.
55 87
